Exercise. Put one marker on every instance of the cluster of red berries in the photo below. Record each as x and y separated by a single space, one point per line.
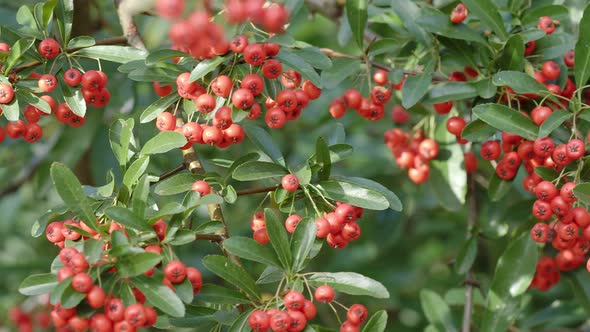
92 84
412 152
32 319
201 37
298 311
76 269
546 274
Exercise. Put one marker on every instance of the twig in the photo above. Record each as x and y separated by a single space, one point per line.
256 191
469 282
170 173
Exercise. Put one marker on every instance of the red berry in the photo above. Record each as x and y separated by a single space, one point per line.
546 24
135 315
357 314
569 58
49 48
82 282
459 14
294 300
202 187
290 182
551 70
259 321
96 297
175 271
166 121
6 93
324 294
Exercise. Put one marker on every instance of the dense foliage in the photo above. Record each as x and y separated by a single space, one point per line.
320 165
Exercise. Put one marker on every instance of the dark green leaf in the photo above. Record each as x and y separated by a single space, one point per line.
135 171
17 50
466 256
582 50
519 82
451 91
249 249
92 250
357 18
242 160
220 295
154 74
120 137
119 54
177 184
478 131
438 23
392 199
278 237
352 193
127 218
554 46
81 41
38 228
408 11
241 323
291 60
132 265
322 154
341 69
513 275
256 170
302 242
447 176
489 15
265 143
580 289
205 67
48 8
507 119
498 188
414 89
38 284
553 122
184 290
163 54
58 290
582 192
195 316
73 98
70 298
486 88
377 322
163 142
32 99
11 110
232 273
437 311
183 236
169 209
546 173
557 12
160 296
512 56
314 56
70 190
65 16
350 283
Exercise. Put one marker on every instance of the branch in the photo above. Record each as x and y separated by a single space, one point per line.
335 54
170 173
256 191
469 282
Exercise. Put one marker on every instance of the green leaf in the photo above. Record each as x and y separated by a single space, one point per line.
582 192
38 284
92 250
31 99
355 194
350 283
315 57
169 209
478 131
514 273
70 298
278 238
265 143
154 74
48 8
546 173
239 161
81 42
158 107
232 273
11 110
392 199
506 119
553 122
65 16
241 323
357 18
414 89
120 137
447 176
70 190
194 316
341 69
451 91
59 289
25 17
119 54
205 67
408 11
160 296
163 54
38 228
135 171
257 170
135 264
322 156
580 288
377 322
185 292
519 82
554 46
216 294
582 50
437 311
498 188
17 50
466 256
249 249
438 23
127 218
73 98
557 12
489 15
163 142
177 184
290 60
302 242
512 57
486 88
